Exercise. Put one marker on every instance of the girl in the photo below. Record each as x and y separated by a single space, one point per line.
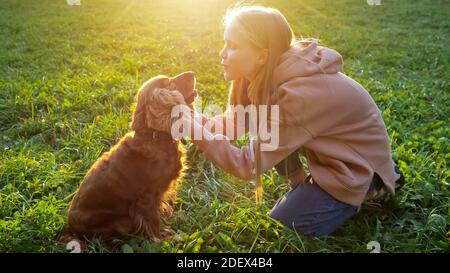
324 115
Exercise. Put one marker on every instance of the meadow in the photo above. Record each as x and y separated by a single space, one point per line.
68 76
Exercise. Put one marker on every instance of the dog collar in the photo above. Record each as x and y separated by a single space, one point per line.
153 134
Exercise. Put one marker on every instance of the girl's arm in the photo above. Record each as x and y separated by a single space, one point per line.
219 125
240 161
218 148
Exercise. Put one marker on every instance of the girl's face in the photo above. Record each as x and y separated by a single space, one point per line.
239 58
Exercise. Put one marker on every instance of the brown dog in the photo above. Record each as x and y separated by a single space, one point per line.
126 190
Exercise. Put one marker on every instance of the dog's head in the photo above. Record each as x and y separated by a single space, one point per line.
157 96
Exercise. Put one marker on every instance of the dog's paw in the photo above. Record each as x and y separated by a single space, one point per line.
166 234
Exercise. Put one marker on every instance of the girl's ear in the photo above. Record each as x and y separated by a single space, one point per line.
158 108
263 56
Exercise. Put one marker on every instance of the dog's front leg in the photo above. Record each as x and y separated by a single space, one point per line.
146 216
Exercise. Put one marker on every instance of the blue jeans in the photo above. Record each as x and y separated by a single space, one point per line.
311 211
307 208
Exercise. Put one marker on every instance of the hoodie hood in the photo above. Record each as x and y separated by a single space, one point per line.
306 58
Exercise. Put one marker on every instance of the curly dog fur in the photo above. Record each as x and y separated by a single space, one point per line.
133 185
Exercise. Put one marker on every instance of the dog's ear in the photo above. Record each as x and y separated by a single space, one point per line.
158 107
138 119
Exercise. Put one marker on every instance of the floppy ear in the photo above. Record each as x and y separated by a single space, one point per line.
158 107
138 120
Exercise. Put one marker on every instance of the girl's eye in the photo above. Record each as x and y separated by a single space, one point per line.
231 45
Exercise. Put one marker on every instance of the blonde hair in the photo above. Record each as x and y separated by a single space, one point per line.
265 28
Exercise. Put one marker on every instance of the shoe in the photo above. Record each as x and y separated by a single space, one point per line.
378 193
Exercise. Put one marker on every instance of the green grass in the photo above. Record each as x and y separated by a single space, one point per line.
68 76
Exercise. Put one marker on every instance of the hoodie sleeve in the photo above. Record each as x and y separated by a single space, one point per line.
221 124
240 161
217 147
236 161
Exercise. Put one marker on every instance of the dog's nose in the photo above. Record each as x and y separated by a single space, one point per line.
188 75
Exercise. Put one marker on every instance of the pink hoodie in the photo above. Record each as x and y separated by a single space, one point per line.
330 116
